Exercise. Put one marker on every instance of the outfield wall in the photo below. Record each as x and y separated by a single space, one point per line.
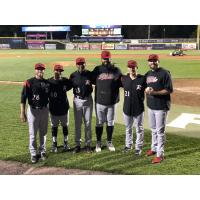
157 44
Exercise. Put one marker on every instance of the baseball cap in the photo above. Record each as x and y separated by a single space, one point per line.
58 67
153 57
40 66
105 54
132 64
80 60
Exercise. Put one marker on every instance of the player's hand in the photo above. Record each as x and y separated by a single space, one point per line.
23 117
149 90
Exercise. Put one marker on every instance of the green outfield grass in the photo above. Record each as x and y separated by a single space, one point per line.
17 68
182 153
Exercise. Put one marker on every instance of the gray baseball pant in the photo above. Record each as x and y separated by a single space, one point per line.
138 123
63 119
37 120
157 122
83 110
105 114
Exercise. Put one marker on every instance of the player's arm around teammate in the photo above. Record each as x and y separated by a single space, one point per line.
159 88
36 90
106 78
59 106
133 108
82 103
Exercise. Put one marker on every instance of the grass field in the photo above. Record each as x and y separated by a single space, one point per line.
182 153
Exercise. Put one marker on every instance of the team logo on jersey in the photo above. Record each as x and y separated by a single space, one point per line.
139 87
106 76
151 79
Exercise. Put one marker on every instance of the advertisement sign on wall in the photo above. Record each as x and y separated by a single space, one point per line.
121 46
189 46
70 46
108 46
50 46
95 46
4 46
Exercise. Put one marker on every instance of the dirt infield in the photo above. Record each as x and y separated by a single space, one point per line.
17 168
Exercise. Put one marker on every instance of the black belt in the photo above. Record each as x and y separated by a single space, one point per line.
38 107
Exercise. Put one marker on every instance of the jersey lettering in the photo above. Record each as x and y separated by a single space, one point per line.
151 79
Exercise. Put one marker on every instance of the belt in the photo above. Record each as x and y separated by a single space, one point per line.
79 97
38 107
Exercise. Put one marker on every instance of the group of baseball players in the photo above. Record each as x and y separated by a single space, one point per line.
50 96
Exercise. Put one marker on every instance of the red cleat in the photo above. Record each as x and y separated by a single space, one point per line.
150 153
157 160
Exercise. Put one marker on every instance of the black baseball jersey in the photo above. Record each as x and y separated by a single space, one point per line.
107 80
79 80
37 92
133 94
159 79
58 101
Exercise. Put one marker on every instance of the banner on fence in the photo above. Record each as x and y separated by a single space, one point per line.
70 46
139 47
35 45
4 46
84 46
95 46
50 46
188 46
108 46
121 46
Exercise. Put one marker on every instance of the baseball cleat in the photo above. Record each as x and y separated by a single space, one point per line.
88 149
110 146
66 146
43 156
34 159
150 153
77 149
54 148
157 160
127 149
98 147
138 152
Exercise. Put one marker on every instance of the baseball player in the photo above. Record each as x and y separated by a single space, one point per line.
159 87
59 106
107 80
36 90
133 109
83 103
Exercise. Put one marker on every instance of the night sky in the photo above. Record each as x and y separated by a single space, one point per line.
128 31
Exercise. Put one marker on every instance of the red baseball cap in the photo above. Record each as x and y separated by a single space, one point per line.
105 54
80 60
132 64
40 66
153 57
58 67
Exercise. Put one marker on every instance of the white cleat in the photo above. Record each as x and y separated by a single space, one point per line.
110 146
98 148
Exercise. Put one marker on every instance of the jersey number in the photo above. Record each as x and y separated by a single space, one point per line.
127 93
36 97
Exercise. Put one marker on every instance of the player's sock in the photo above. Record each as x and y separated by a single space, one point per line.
99 132
54 133
65 133
109 130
